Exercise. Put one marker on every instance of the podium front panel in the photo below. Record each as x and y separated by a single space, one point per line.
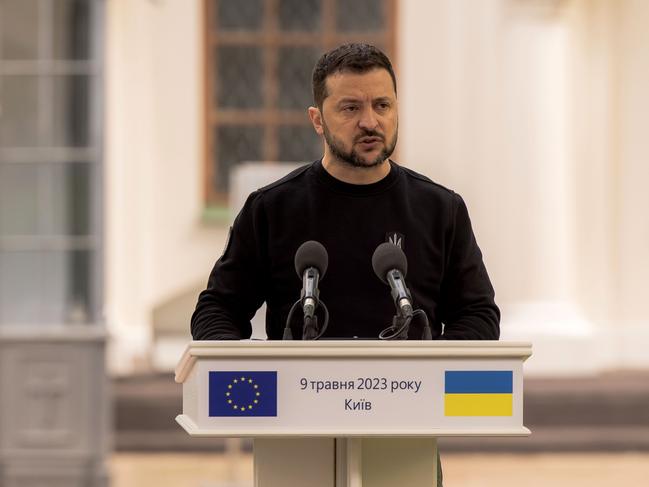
353 389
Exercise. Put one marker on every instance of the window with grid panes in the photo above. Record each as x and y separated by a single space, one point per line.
259 58
50 161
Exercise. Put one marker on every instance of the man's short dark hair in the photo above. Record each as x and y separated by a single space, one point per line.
357 58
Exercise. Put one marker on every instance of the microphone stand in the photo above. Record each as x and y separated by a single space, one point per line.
310 328
401 326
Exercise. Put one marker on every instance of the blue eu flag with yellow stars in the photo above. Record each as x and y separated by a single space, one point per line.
243 393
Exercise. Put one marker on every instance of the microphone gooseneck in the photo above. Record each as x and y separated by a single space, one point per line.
391 267
311 261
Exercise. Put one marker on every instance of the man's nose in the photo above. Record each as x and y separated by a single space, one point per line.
368 119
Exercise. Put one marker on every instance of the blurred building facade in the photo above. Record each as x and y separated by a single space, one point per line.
51 172
54 419
533 110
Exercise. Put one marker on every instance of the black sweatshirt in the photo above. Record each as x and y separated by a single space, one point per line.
446 275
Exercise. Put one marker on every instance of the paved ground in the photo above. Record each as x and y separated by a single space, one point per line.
460 470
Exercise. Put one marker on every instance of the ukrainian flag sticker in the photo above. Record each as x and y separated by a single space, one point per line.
478 393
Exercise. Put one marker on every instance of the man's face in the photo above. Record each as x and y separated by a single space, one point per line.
358 118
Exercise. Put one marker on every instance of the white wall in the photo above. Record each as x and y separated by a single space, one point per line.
156 243
484 112
630 315
534 112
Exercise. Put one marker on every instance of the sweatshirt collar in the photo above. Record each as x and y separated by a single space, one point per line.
355 189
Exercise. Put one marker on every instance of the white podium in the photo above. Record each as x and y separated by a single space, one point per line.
351 413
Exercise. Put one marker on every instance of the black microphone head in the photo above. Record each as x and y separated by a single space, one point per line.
388 256
311 254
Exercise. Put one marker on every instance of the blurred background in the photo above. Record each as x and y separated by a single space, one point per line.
132 130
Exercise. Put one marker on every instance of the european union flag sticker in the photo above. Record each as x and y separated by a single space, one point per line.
242 393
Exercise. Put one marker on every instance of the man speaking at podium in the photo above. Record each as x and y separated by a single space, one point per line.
351 201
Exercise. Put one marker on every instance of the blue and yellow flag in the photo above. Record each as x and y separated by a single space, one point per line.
478 393
243 393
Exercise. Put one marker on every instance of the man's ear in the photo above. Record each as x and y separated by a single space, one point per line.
316 119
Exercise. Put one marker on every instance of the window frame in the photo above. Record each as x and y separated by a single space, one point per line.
270 117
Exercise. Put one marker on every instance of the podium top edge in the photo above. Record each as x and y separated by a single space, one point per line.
349 349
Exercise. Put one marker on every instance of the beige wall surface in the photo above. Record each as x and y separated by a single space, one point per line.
156 243
535 112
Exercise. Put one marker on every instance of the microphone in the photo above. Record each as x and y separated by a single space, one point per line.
391 266
311 262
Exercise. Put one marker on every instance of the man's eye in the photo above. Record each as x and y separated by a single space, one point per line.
350 108
383 106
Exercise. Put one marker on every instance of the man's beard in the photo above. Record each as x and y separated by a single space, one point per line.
352 157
